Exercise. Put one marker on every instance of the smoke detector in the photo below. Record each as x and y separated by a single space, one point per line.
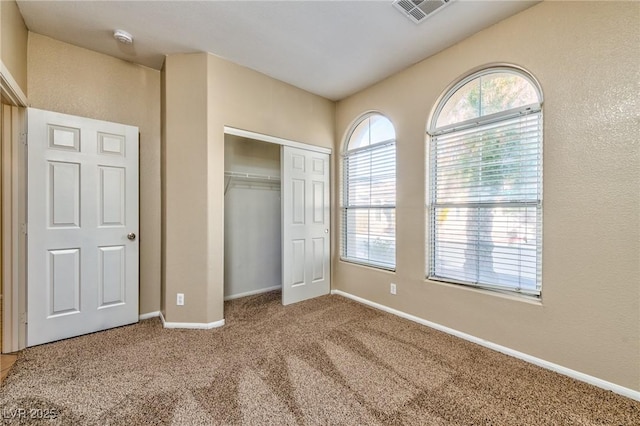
419 10
123 37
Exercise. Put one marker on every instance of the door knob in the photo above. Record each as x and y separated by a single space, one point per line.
326 231
131 236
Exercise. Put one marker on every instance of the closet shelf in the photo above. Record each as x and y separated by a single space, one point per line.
251 176
258 179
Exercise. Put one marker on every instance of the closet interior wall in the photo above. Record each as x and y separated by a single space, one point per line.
252 217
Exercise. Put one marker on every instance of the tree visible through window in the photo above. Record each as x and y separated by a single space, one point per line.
369 194
485 183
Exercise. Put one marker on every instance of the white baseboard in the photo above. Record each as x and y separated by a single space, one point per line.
149 315
252 292
621 390
191 325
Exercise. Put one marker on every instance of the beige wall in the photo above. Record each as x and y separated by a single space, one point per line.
194 156
72 80
585 56
185 227
13 42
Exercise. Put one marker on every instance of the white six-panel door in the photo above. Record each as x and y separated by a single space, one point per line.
82 226
305 224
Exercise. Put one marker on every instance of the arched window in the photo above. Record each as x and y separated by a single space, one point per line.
484 194
369 193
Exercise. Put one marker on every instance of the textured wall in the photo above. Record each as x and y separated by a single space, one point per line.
586 58
184 160
72 80
13 42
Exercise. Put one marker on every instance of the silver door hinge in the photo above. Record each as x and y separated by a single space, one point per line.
23 228
23 138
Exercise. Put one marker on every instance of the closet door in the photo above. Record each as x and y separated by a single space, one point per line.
305 224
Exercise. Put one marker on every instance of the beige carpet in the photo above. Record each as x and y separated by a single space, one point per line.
327 361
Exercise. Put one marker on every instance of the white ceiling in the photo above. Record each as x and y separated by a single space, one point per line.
331 48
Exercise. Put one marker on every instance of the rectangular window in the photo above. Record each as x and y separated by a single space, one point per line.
369 201
485 204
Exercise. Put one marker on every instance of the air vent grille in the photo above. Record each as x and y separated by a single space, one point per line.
418 10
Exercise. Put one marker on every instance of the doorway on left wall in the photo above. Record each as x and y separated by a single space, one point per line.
10 127
12 241
2 358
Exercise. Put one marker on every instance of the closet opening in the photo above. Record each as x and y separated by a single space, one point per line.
252 217
276 217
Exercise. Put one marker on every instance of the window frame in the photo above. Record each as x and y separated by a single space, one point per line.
472 75
478 122
344 208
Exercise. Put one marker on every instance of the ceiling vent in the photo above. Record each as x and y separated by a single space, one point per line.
419 10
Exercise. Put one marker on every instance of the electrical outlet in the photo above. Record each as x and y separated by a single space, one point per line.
180 299
392 288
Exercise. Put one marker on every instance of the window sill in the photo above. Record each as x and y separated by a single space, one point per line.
518 297
367 265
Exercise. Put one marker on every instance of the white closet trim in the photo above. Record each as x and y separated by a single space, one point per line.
266 138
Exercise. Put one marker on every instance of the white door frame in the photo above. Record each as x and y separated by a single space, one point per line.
14 213
10 88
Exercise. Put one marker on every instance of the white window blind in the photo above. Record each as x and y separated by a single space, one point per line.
368 204
485 211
